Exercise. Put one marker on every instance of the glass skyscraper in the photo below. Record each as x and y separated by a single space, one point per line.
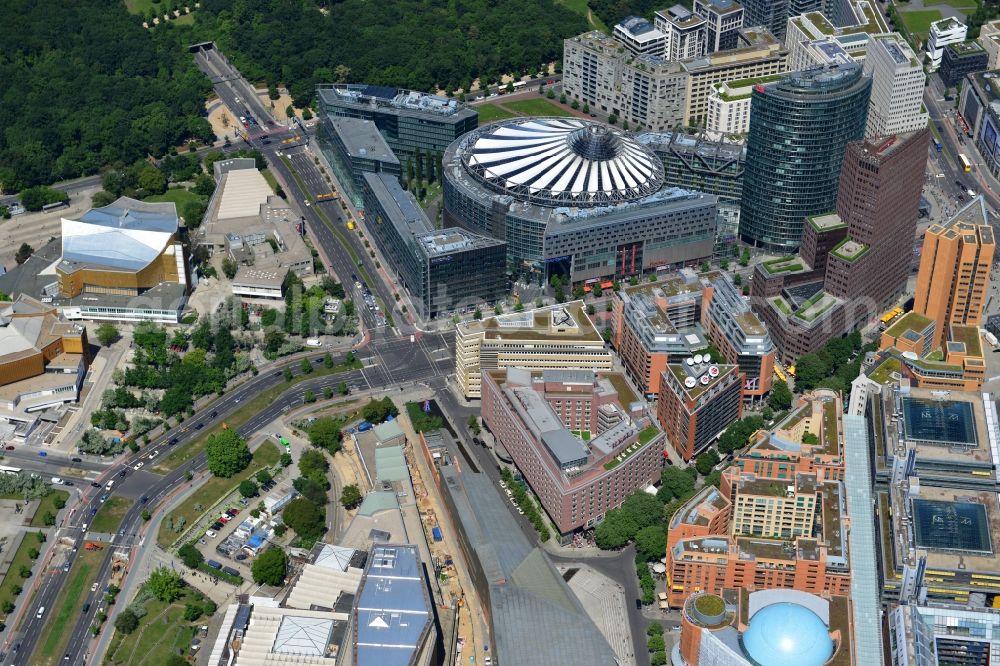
799 129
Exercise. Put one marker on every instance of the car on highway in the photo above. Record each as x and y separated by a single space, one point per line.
138 466
172 442
143 499
95 484
43 454
67 483
199 426
10 448
104 498
121 533
123 472
66 568
154 454
214 413
93 512
76 459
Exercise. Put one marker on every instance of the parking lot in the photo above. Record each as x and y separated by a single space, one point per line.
224 534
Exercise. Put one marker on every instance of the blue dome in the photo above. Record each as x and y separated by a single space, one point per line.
786 633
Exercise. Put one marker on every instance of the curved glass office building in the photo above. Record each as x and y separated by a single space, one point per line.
799 129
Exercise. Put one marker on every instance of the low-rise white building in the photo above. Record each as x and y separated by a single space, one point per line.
729 105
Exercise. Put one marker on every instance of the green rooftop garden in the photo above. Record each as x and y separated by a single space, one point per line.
969 335
780 303
741 83
815 306
911 321
787 264
710 605
849 250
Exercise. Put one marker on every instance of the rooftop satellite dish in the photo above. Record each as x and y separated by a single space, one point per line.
689 361
690 382
713 370
705 379
698 359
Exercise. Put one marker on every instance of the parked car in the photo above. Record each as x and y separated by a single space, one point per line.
210 534
74 459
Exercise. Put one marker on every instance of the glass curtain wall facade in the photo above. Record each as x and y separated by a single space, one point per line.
799 130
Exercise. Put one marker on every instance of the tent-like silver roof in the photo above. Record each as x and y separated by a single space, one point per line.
562 162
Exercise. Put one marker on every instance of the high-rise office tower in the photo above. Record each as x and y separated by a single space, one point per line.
685 32
878 200
955 269
799 129
897 87
773 14
723 19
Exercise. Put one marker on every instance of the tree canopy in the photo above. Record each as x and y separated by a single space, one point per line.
93 88
270 567
190 555
324 433
227 453
165 585
410 43
308 521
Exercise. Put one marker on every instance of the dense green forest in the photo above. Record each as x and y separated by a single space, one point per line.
410 43
86 86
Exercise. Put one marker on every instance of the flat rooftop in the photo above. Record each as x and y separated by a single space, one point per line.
959 529
362 139
947 423
567 322
393 609
703 376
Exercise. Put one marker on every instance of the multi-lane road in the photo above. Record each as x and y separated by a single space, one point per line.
398 362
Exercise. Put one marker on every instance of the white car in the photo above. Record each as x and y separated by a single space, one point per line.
93 588
210 534
138 466
154 454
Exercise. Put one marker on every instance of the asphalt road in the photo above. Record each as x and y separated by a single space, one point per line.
954 142
398 361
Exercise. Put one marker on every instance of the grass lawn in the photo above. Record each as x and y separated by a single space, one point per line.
537 107
490 112
110 515
178 195
919 22
139 6
957 4
13 576
161 633
250 407
581 8
48 505
67 607
212 490
271 180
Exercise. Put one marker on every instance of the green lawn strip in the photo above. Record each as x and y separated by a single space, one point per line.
177 195
271 180
47 505
161 633
110 515
249 408
537 107
139 6
13 576
919 22
491 112
212 491
67 607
